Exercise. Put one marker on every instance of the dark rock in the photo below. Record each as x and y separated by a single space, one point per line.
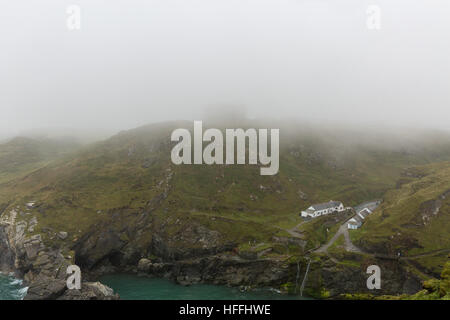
90 291
224 269
7 256
144 265
45 288
96 246
249 255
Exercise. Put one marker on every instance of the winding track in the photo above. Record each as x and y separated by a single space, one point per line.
349 246
294 231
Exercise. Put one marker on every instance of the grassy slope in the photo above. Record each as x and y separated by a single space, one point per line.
21 155
130 169
399 223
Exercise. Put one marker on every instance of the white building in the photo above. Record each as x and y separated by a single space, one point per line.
353 223
319 209
358 219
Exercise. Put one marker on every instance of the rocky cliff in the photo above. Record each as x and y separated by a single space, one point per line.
42 268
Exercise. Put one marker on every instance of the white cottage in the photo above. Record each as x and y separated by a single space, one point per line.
354 223
358 219
319 209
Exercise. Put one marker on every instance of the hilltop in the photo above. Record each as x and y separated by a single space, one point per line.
22 154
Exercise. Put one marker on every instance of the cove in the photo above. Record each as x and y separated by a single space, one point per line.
133 287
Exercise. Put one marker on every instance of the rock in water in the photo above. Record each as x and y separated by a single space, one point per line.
49 288
90 291
144 265
45 288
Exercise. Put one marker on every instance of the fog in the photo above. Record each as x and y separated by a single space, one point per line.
137 62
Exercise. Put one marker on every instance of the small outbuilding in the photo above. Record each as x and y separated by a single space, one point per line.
357 221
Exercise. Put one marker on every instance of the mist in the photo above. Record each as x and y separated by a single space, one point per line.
138 62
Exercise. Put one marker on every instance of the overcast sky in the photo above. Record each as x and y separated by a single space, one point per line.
135 62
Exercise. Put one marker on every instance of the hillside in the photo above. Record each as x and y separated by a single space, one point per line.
21 155
114 202
414 219
133 167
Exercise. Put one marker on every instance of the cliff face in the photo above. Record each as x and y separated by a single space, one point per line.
349 276
8 240
203 256
155 253
43 268
7 256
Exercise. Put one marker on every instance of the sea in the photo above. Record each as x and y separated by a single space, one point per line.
133 287
11 288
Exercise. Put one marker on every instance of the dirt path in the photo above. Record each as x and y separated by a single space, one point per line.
425 254
349 246
343 230
294 231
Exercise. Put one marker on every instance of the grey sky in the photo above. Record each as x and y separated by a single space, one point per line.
135 62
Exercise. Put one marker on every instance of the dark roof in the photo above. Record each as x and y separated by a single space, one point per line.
358 218
326 205
364 213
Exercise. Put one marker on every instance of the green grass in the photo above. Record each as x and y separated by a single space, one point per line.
337 246
20 156
398 224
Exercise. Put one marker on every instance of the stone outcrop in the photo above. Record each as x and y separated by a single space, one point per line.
331 279
90 291
49 288
223 269
42 268
7 256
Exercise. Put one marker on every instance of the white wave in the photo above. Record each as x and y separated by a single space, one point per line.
16 282
275 290
11 287
23 292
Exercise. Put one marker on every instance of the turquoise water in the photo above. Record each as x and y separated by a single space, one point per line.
11 288
132 287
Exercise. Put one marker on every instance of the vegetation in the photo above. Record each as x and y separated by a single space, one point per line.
20 155
434 289
414 219
117 180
